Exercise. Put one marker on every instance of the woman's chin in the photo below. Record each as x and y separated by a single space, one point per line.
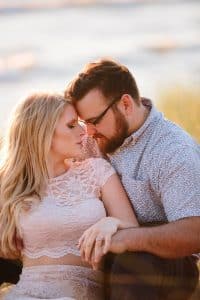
80 155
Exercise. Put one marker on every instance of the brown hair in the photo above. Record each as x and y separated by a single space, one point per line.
108 76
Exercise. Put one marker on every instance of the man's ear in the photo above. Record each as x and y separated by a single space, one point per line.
126 104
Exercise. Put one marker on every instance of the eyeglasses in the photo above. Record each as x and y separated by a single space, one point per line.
96 120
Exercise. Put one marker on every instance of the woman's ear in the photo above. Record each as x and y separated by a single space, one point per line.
126 104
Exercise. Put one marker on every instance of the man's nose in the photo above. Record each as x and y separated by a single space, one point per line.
91 129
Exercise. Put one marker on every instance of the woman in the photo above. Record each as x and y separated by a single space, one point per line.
48 203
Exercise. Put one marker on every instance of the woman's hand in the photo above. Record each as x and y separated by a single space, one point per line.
97 239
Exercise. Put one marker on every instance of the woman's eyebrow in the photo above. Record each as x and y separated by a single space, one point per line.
72 120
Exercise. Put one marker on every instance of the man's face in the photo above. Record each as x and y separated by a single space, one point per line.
107 124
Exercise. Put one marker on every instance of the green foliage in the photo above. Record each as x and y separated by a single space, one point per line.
182 106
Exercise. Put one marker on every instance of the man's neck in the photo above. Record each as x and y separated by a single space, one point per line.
139 117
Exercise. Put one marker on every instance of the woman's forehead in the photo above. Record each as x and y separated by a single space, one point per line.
69 113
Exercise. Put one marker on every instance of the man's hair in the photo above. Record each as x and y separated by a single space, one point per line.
111 78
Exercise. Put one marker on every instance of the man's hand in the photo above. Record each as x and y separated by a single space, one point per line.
171 240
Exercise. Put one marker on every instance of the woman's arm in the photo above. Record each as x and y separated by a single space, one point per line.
117 204
96 240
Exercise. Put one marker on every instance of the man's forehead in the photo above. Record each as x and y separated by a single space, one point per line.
91 104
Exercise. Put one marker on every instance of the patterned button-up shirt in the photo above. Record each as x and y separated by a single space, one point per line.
159 166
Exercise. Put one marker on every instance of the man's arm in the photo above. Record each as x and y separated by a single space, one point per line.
176 239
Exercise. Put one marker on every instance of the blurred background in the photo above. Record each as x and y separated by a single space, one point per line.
43 44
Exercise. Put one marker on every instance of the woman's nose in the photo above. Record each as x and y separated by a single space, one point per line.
82 128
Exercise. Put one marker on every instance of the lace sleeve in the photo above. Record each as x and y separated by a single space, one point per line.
103 169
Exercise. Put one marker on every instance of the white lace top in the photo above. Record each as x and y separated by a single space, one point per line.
71 204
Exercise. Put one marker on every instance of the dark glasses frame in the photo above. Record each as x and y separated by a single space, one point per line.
96 120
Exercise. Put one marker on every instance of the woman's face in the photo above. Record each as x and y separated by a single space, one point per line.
68 135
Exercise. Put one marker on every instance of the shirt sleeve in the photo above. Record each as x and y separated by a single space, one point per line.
179 183
103 170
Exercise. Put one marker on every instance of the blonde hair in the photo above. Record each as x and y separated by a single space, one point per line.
23 169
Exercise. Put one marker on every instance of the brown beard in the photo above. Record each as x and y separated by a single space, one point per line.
109 145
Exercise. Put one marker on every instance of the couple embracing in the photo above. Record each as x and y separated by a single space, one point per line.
120 225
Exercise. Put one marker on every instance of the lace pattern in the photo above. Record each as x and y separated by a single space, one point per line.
70 205
58 282
90 147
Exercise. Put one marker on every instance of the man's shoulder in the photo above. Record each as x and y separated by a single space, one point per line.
169 138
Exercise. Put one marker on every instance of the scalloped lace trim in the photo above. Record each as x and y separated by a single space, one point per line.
53 253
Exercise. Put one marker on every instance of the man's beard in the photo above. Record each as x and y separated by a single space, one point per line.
109 145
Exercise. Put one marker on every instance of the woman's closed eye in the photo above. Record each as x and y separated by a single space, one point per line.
72 125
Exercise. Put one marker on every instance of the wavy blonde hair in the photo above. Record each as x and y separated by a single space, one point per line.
23 169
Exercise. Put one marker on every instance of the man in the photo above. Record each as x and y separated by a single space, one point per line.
159 165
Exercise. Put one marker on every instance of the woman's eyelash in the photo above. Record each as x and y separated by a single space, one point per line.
71 125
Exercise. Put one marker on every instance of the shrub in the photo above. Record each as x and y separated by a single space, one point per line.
182 106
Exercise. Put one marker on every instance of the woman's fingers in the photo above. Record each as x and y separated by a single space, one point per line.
88 249
98 244
93 263
97 239
107 244
98 250
82 244
82 253
87 245
81 240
